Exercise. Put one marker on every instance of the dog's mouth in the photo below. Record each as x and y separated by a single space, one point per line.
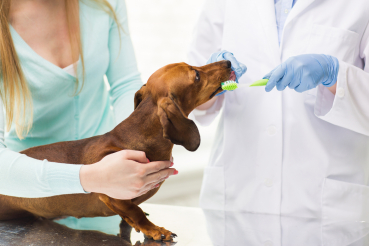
232 77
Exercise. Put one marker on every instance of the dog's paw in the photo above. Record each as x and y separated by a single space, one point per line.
160 234
150 242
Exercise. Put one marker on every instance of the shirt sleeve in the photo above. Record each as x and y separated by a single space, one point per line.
22 176
122 74
207 39
349 107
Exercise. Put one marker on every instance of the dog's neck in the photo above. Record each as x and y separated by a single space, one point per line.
143 131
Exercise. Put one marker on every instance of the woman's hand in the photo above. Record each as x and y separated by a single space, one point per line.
125 174
304 72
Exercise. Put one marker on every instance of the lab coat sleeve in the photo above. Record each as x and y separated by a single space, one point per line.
349 107
122 74
22 176
207 39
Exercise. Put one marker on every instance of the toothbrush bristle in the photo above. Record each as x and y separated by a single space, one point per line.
229 85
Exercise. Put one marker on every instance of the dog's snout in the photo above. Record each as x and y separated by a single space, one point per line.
229 64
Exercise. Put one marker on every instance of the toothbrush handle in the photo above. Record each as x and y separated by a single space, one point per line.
261 82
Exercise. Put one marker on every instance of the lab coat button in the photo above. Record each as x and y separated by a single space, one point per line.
272 130
340 92
286 11
268 243
268 182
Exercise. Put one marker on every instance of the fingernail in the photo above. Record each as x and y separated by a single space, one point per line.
156 186
166 177
171 164
175 172
148 160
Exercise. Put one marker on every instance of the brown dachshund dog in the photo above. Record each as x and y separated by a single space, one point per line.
158 121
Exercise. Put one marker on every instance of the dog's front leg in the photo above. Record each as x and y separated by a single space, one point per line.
136 218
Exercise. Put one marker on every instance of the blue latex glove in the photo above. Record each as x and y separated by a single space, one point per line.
238 67
304 72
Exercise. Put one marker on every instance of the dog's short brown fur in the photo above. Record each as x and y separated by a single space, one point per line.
159 121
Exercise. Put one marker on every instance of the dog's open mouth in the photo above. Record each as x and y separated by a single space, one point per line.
232 77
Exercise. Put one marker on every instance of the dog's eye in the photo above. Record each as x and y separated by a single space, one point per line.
197 76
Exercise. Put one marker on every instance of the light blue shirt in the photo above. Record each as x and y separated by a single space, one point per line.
59 114
282 10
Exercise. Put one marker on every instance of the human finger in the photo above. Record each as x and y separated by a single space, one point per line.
295 81
154 184
243 68
235 65
213 58
148 188
276 75
156 166
156 177
151 186
220 55
134 155
241 71
302 87
267 76
285 80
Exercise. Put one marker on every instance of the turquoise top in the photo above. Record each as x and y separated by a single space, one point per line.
61 116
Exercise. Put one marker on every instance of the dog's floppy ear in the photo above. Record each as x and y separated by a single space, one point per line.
176 126
139 95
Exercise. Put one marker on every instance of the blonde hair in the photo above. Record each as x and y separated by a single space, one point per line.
14 90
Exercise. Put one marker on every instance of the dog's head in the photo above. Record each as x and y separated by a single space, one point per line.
179 88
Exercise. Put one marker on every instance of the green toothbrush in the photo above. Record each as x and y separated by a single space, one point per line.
261 82
231 85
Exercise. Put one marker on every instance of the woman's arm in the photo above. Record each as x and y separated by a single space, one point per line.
122 175
22 176
333 89
122 74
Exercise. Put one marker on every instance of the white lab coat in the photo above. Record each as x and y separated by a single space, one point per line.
303 154
251 229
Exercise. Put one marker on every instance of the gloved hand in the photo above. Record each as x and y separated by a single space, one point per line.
238 67
304 72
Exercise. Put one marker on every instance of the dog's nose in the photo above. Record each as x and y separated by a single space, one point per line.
229 64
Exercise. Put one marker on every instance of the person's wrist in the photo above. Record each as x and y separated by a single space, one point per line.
88 177
333 89
332 70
